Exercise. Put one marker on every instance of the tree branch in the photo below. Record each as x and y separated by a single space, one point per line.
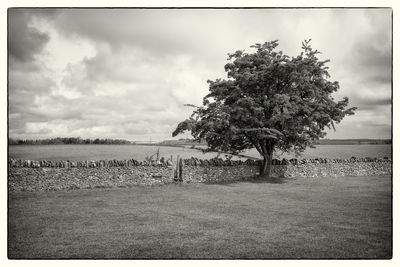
255 144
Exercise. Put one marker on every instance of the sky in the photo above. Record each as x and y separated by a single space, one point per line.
127 73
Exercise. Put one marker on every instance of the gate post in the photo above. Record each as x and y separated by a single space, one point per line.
180 170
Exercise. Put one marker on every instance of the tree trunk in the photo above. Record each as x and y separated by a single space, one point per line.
265 169
267 149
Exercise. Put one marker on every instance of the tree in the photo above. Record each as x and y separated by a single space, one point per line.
269 101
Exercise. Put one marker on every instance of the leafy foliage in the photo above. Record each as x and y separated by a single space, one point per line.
270 100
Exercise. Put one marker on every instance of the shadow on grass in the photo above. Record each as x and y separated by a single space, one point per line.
270 180
254 179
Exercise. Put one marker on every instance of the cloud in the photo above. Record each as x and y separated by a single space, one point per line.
367 96
24 41
126 73
161 31
367 123
371 55
372 103
372 61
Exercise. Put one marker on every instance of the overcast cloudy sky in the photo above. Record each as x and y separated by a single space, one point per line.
109 73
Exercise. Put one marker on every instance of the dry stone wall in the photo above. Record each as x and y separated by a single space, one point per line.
37 179
163 162
28 175
241 173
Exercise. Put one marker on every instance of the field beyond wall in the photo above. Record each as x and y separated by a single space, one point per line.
331 217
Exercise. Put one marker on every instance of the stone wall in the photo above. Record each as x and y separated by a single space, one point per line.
240 173
218 174
168 162
27 175
37 179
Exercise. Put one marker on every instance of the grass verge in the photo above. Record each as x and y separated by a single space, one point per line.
345 217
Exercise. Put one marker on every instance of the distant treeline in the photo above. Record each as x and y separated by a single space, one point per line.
181 142
353 142
69 141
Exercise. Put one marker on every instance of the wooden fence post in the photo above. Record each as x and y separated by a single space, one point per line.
176 173
180 170
173 169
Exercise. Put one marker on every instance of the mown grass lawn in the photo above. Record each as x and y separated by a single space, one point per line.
347 217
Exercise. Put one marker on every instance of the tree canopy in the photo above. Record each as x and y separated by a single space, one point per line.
269 101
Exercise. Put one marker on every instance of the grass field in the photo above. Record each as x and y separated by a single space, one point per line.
347 217
139 152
